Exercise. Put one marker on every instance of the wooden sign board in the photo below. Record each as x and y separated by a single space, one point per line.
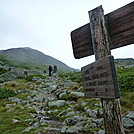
120 24
100 79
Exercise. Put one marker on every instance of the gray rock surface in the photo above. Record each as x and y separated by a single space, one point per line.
54 111
127 122
12 75
101 132
130 115
57 103
72 130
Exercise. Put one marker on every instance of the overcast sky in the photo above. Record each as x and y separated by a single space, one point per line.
46 25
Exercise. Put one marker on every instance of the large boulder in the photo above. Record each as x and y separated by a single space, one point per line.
57 103
127 123
130 115
12 75
34 72
73 130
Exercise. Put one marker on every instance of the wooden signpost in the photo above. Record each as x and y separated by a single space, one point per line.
120 26
100 79
103 33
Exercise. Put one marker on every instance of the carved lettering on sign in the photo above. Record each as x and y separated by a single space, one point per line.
99 79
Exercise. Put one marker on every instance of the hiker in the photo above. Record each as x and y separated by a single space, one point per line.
55 69
50 70
44 71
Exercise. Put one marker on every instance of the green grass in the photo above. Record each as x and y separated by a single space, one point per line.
30 77
126 79
126 84
73 76
6 93
127 102
6 125
3 70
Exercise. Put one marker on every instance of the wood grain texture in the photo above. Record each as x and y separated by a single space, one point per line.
100 39
120 25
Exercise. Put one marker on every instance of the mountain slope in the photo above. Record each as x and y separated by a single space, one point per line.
19 56
126 62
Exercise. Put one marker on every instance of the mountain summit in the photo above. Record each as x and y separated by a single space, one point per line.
26 55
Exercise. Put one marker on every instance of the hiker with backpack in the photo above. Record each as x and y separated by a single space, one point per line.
50 70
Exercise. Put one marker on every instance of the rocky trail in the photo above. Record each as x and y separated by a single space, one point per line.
51 105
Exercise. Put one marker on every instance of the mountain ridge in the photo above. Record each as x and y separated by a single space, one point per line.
26 55
126 62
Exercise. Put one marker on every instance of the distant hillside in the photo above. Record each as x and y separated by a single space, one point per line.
126 62
28 57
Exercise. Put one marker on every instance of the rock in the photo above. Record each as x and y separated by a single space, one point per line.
8 105
80 124
63 95
93 125
44 119
70 113
36 79
24 102
12 75
128 123
54 87
60 91
99 121
51 98
36 124
86 108
15 121
27 129
92 113
39 98
34 72
100 112
84 103
16 100
73 129
51 129
101 132
130 115
29 120
76 95
72 121
1 63
57 103
63 129
11 109
68 83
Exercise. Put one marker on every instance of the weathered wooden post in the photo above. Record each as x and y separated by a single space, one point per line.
98 37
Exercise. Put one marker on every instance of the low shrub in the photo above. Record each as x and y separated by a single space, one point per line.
6 93
3 70
30 77
126 79
73 76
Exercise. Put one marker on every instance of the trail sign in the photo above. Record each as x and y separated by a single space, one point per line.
103 33
120 25
100 79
